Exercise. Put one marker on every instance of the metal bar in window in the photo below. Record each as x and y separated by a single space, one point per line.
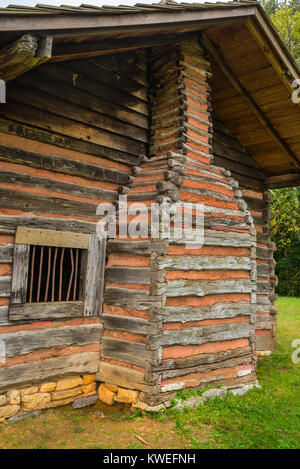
71 275
40 274
48 274
31 274
61 272
76 274
53 274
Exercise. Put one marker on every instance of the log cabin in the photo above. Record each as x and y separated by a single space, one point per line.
195 103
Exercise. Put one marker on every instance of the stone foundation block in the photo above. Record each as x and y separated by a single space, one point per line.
66 393
2 400
89 388
106 395
48 387
69 383
8 411
35 401
127 396
29 390
88 379
13 396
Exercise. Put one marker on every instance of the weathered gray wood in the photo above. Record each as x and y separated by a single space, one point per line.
198 336
4 315
124 351
95 276
87 362
131 298
46 311
265 342
9 223
6 253
136 275
23 342
205 287
185 314
115 322
20 273
196 262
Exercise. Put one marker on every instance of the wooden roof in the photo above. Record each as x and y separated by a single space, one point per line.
253 72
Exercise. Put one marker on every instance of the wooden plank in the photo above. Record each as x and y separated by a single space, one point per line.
136 275
131 299
35 371
95 276
185 314
39 237
27 341
46 311
196 262
285 180
20 273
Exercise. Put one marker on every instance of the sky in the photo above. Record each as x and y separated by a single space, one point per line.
4 3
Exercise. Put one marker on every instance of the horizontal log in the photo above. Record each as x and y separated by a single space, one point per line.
185 314
23 342
136 275
196 262
62 165
131 299
124 351
52 184
176 288
33 372
265 342
200 335
63 141
9 223
202 359
46 311
121 376
115 322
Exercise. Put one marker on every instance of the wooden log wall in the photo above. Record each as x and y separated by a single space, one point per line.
69 135
205 330
227 152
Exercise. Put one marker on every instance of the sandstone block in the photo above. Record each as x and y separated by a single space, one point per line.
111 387
148 408
35 401
14 396
87 379
127 395
89 388
29 390
66 393
8 411
69 383
48 387
2 400
106 395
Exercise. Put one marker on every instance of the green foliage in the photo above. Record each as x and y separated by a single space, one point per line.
285 15
285 232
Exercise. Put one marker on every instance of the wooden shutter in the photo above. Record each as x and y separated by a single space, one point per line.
95 276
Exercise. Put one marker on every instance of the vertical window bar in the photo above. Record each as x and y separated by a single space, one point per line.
31 274
48 274
40 274
61 272
53 274
76 274
71 275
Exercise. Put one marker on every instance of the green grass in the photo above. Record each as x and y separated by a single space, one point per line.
263 418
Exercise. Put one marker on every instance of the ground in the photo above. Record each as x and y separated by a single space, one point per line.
263 418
